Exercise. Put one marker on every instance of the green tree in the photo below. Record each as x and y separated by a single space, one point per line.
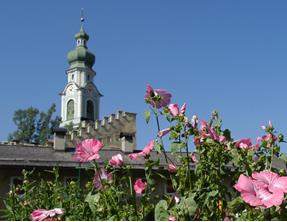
34 126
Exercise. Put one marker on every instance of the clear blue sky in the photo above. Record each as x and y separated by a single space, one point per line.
225 55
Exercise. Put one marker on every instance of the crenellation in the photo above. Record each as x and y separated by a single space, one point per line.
112 118
117 130
97 124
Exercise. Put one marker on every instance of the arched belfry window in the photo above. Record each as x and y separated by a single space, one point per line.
90 110
70 109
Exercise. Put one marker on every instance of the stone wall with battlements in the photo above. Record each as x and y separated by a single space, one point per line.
117 131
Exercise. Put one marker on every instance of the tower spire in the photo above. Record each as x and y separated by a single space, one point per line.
82 19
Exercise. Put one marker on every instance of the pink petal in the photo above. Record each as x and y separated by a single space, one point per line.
182 109
39 215
116 160
87 150
133 156
173 109
148 148
171 168
244 144
139 186
270 199
171 218
163 132
193 157
251 199
244 184
279 185
265 177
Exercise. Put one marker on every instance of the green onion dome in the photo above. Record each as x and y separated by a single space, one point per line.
81 56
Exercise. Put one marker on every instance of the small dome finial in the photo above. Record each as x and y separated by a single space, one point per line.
82 16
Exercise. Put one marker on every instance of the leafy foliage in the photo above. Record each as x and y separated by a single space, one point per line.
34 126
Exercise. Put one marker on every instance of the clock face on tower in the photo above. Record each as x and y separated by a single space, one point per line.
70 90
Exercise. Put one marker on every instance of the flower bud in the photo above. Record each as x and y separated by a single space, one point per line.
214 114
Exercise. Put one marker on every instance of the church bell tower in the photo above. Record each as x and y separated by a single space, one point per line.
80 99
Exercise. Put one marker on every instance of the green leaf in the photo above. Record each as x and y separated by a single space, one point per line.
235 157
161 213
91 200
174 147
158 147
227 134
283 157
147 116
191 206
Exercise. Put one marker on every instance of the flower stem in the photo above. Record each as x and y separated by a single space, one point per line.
133 195
161 140
187 157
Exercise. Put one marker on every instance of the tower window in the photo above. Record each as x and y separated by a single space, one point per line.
90 110
72 76
70 110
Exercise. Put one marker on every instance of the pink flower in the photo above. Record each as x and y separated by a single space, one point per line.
139 186
117 160
269 138
194 121
193 157
263 189
103 176
145 152
171 218
88 150
171 168
270 126
163 132
243 144
182 109
41 214
196 140
158 98
175 111
133 156
207 131
271 180
148 148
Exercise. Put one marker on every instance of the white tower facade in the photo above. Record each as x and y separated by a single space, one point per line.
80 99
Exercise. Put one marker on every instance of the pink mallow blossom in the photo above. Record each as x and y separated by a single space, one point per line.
117 160
269 126
145 152
158 98
139 186
262 189
175 111
207 131
42 215
88 150
243 144
171 168
102 177
246 144
193 157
